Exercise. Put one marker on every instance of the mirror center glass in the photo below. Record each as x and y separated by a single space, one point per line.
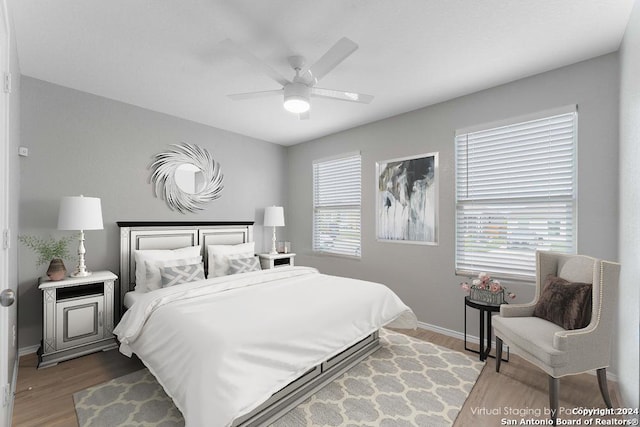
189 178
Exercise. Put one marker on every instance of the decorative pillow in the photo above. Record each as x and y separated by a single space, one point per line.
564 303
244 265
159 255
219 256
181 274
153 279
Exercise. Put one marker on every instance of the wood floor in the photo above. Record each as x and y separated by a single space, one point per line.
45 397
518 392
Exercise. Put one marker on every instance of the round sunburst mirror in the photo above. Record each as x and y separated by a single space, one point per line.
186 177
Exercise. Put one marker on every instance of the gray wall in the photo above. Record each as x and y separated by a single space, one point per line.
629 319
84 144
423 276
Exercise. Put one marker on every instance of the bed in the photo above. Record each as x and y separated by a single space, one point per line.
243 349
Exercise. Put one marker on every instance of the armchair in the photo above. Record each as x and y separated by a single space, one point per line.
557 351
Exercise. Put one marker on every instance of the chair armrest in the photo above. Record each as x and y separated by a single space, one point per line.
517 310
576 339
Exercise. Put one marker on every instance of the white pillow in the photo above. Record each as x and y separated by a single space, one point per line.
219 257
154 274
159 255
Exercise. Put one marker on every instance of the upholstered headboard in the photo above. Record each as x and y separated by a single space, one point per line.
173 235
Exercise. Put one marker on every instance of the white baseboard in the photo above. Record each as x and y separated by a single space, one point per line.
449 332
610 377
473 339
22 351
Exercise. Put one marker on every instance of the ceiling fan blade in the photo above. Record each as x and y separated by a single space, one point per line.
304 116
342 95
252 95
254 61
330 60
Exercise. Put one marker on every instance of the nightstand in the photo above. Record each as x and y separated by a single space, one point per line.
77 317
268 261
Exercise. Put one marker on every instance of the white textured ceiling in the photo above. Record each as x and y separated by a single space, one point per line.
164 55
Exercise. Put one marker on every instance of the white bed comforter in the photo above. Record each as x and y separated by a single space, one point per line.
222 346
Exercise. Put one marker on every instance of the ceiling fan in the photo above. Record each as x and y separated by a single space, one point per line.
298 91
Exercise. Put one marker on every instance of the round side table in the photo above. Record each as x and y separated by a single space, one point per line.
486 309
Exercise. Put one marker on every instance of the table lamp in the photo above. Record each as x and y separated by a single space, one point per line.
80 213
274 217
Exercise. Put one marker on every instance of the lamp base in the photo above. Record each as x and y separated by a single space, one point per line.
81 268
273 243
80 274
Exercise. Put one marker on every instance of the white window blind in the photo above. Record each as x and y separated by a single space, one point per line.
515 193
336 205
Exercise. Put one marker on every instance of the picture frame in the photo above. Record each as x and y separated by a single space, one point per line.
407 200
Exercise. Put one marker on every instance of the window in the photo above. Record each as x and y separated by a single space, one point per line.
336 205
515 193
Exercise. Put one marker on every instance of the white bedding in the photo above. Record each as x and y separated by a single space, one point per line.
222 346
131 297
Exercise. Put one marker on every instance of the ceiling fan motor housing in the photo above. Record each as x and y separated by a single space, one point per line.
296 97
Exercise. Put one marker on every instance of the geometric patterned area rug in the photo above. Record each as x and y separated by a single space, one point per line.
408 382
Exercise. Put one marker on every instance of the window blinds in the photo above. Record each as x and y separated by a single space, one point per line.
515 193
336 205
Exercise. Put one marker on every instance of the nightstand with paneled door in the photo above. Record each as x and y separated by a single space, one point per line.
77 317
268 261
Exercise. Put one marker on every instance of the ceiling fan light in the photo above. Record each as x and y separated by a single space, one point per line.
296 98
296 104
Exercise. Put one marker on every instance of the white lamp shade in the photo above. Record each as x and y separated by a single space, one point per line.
80 213
274 216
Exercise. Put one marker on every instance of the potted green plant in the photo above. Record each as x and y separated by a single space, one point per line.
49 250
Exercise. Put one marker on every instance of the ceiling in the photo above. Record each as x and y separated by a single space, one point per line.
166 56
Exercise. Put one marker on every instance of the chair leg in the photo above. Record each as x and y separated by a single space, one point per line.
498 353
554 385
604 390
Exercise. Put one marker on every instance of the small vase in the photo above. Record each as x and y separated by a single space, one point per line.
56 270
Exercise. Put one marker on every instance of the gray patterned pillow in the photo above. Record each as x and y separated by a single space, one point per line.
181 274
244 265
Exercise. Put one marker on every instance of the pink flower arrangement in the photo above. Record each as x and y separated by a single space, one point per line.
484 281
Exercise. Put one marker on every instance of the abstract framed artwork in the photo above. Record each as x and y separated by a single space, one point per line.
407 200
